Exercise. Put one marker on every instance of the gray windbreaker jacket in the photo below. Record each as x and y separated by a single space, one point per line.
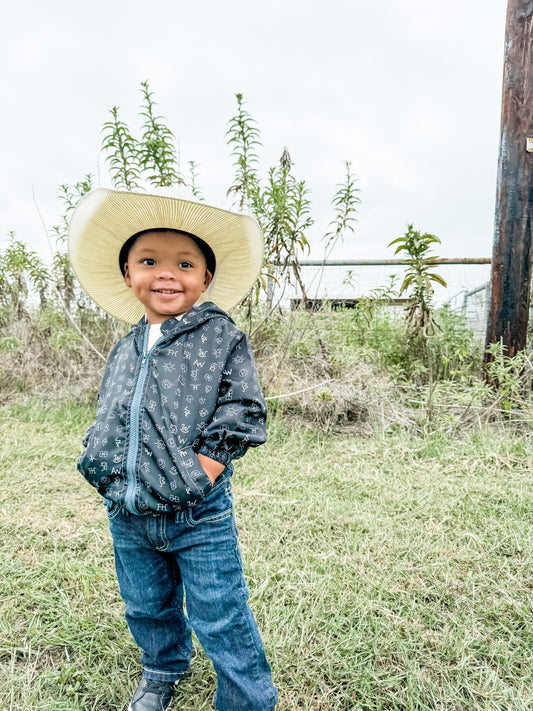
196 390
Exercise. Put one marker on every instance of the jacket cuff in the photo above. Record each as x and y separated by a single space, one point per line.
216 454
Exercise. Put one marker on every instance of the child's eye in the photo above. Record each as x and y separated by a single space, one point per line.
148 261
184 265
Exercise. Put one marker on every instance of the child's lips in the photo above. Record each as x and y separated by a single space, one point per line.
166 291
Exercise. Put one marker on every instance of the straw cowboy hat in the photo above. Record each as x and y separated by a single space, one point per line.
104 219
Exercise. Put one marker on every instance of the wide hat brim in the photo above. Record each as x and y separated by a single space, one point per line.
104 219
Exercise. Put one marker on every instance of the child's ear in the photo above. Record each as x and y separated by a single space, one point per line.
127 278
208 278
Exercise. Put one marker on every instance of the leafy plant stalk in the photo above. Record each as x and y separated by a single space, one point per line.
157 153
419 278
122 152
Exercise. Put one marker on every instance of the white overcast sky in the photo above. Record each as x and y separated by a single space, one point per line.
409 91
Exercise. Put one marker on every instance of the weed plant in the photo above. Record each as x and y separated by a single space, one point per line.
389 573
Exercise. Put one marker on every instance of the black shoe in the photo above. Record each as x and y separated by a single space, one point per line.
152 696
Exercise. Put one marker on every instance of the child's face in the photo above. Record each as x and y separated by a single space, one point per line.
167 273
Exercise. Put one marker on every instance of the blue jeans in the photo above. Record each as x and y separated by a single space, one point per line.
157 558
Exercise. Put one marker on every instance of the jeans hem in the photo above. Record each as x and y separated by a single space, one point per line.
155 675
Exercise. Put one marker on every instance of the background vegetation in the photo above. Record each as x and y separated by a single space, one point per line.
373 368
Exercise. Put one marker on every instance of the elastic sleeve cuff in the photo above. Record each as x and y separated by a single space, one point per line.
216 454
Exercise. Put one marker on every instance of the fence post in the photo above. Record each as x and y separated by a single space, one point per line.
511 259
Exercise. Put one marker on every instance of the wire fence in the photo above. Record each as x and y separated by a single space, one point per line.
474 304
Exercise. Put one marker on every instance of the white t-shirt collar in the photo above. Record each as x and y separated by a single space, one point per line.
155 331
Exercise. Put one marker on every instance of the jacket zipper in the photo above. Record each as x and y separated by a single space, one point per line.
133 444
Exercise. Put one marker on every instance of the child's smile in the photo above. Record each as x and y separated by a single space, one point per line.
168 274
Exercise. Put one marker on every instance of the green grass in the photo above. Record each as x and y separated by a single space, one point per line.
386 573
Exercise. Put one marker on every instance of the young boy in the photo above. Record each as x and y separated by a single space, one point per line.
180 399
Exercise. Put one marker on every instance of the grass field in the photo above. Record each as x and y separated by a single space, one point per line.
386 573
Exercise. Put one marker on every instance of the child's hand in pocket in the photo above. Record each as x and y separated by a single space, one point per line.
211 467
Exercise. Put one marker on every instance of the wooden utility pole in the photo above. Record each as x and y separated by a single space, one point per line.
512 250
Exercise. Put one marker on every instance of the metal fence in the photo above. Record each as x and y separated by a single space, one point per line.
474 305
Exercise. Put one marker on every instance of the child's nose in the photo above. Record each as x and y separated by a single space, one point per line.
166 271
